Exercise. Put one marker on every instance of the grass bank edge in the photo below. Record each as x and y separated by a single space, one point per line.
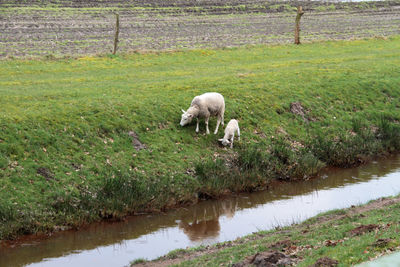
250 166
337 234
137 52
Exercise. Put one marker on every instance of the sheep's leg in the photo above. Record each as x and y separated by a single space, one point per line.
207 130
238 132
221 114
218 122
197 125
233 137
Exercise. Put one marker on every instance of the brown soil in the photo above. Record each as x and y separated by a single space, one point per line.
255 5
267 259
325 262
382 242
362 229
282 244
297 109
136 142
46 173
177 24
285 244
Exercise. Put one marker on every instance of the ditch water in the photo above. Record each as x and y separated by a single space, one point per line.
208 222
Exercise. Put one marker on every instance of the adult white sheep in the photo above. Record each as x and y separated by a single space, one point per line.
231 128
204 106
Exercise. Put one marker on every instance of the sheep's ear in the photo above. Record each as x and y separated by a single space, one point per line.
183 111
220 139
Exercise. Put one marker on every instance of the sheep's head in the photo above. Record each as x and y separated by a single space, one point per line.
224 142
186 118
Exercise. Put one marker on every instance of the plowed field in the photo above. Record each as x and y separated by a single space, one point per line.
43 28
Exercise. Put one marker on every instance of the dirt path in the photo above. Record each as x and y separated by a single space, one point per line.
36 30
354 210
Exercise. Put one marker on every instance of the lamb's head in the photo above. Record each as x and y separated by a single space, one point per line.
186 118
224 141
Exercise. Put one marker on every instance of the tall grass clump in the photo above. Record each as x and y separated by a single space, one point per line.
7 216
252 163
342 150
352 147
213 176
389 134
252 158
241 171
254 166
290 160
15 220
120 194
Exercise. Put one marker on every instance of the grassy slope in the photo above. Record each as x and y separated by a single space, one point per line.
70 119
326 235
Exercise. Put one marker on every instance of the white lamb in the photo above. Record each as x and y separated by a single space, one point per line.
204 106
231 128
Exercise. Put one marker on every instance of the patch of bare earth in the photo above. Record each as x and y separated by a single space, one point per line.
325 262
288 248
362 229
46 173
270 259
136 142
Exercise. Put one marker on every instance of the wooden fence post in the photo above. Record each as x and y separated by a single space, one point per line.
300 13
116 34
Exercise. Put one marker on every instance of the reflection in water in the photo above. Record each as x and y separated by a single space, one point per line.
199 230
201 227
149 236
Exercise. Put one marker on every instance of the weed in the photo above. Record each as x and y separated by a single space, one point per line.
175 253
389 134
250 158
120 194
138 261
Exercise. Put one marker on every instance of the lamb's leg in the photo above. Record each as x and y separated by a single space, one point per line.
233 137
218 122
197 125
222 119
238 132
207 130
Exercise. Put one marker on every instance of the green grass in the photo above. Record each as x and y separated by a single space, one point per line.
326 235
66 157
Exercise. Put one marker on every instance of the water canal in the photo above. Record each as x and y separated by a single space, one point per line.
208 222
